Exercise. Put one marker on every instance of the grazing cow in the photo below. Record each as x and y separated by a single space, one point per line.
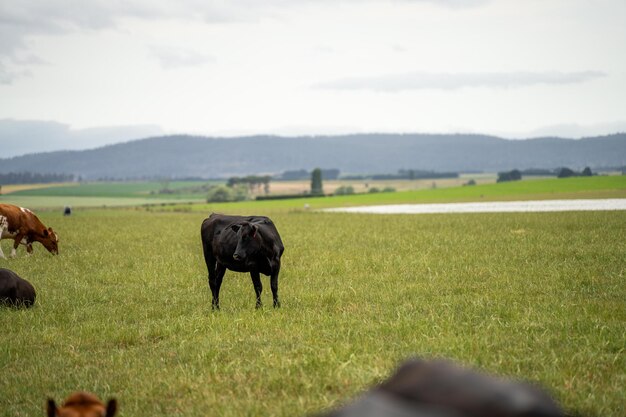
82 404
242 244
15 291
440 388
24 227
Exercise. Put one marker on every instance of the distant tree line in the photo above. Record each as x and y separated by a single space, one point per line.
238 188
252 182
513 175
564 172
34 178
404 174
303 174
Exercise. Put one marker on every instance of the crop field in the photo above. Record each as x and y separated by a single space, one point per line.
110 189
363 186
124 310
116 194
100 194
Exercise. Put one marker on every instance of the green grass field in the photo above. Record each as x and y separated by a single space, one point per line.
539 189
111 189
124 310
106 194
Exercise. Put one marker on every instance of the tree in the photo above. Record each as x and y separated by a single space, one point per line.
218 195
344 190
316 182
514 175
586 172
266 184
565 173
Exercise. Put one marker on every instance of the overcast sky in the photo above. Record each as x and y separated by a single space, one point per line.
506 67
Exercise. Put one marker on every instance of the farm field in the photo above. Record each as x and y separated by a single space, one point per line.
363 186
539 189
109 189
101 194
124 310
128 194
13 188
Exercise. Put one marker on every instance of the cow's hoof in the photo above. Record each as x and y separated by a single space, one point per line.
276 304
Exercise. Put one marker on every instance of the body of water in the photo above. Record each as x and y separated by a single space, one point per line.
491 207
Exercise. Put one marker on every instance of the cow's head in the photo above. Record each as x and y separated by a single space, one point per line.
50 240
82 404
247 241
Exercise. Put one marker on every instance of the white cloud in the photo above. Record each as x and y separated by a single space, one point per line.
212 66
23 18
8 76
172 57
455 81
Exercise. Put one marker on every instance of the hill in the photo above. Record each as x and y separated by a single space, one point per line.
194 156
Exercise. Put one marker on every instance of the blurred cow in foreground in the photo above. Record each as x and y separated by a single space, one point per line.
439 388
82 404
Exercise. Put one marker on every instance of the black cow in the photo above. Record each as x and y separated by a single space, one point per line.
15 291
242 244
436 388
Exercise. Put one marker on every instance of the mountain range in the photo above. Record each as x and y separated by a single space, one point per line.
183 156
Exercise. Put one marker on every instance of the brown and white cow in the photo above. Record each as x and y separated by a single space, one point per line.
82 404
24 227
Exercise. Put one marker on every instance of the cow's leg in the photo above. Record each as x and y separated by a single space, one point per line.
211 266
274 284
258 287
216 283
29 248
16 243
4 225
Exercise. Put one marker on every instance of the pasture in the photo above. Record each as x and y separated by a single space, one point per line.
536 189
129 194
100 194
124 310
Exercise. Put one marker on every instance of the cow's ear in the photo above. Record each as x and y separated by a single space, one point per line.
111 407
51 408
254 230
235 227
45 233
